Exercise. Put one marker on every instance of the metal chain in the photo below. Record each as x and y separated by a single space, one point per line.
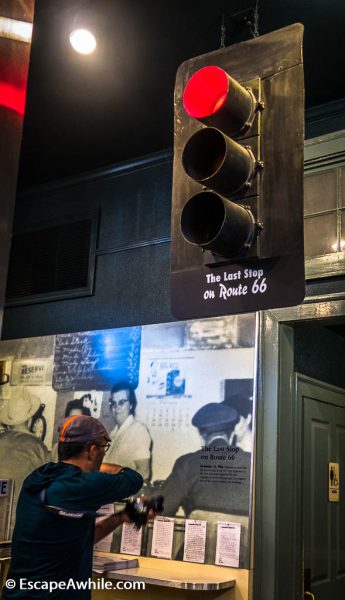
222 32
256 19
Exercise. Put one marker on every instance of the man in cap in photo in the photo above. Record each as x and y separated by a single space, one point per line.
196 481
55 526
239 395
20 450
212 484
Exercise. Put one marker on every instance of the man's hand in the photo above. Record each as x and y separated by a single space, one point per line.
138 511
110 468
142 508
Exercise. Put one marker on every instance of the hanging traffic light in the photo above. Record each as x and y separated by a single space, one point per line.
218 162
237 214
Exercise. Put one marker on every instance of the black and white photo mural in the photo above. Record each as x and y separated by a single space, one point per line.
176 398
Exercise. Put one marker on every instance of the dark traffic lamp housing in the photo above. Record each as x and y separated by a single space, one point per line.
237 212
219 162
217 224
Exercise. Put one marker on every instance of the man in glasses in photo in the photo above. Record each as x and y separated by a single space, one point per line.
130 439
55 527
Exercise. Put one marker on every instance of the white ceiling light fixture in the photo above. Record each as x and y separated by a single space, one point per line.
83 41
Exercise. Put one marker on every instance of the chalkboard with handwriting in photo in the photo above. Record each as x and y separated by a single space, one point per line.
96 359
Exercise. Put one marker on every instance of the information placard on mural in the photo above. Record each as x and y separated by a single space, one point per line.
96 359
32 372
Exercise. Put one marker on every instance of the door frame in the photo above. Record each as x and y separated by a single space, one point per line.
317 392
276 539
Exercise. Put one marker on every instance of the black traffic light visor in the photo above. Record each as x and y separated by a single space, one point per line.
217 224
218 162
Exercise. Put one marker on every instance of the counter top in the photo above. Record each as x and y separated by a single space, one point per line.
182 575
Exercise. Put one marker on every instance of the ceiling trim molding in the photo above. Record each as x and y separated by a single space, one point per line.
318 114
109 172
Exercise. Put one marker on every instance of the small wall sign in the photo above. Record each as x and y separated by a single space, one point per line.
333 482
4 487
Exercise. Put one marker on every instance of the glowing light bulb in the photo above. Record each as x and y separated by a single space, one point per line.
82 41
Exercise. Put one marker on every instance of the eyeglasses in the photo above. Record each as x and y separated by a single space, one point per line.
105 446
114 403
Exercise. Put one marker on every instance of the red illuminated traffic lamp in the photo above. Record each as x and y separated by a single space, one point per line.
238 178
215 98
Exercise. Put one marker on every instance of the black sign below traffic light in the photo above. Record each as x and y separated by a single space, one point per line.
237 210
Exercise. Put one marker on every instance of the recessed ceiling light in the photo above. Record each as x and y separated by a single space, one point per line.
83 41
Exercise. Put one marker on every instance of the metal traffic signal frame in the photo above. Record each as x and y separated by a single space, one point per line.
237 210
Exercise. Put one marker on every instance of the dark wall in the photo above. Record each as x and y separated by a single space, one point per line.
131 280
131 284
319 353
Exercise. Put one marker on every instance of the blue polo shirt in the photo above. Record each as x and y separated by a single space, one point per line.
48 547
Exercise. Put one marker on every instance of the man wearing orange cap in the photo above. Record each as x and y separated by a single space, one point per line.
55 526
